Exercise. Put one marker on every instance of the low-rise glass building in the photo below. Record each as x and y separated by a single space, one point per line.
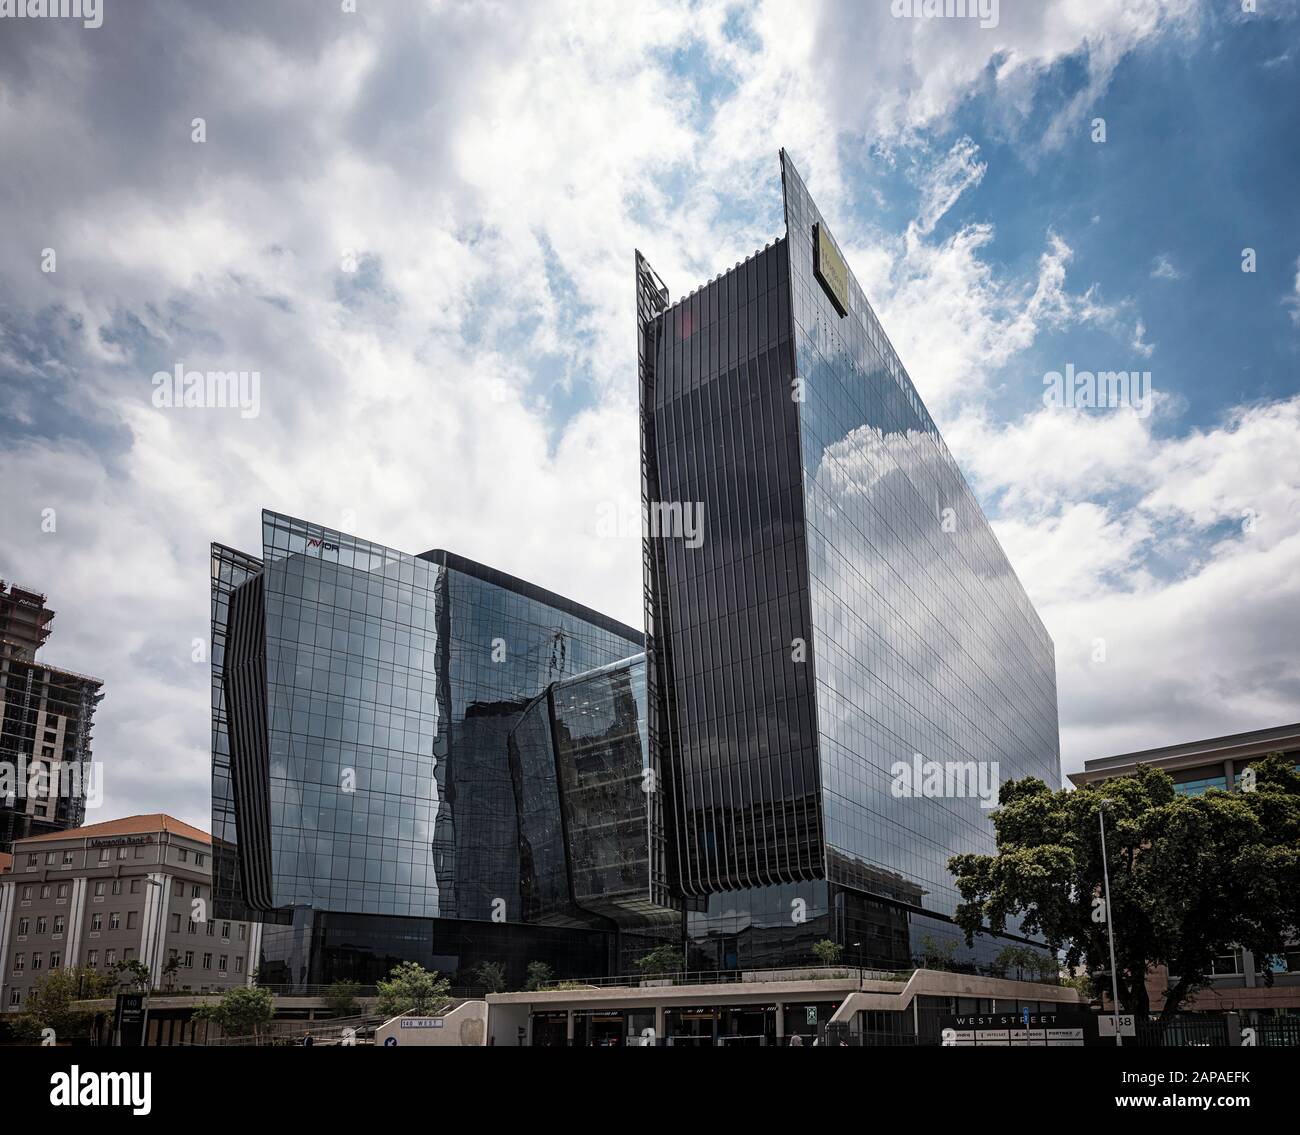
363 795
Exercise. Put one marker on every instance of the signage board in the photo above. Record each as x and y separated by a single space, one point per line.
128 1019
1023 1029
830 268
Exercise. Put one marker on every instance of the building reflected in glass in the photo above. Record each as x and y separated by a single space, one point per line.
422 758
363 701
847 609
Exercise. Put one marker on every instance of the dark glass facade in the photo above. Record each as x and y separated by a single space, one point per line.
591 824
729 616
847 609
418 757
372 776
924 640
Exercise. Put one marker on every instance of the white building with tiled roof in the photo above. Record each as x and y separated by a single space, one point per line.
133 889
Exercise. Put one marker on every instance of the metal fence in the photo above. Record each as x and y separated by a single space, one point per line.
1279 1032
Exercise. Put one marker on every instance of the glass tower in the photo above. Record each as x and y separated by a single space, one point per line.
363 699
844 609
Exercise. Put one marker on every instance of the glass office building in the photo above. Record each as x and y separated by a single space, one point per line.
362 787
419 757
591 824
847 608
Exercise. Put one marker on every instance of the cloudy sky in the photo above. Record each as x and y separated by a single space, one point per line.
416 222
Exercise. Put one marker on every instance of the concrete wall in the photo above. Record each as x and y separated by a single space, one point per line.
464 1027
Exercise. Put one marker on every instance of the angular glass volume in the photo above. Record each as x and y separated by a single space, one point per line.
924 641
362 703
841 608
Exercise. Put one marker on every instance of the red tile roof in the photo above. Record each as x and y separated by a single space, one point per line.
127 825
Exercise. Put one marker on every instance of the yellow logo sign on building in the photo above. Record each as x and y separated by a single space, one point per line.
830 269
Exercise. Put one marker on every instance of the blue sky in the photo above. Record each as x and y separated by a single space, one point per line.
416 223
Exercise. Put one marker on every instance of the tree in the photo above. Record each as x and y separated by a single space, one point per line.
1025 960
661 960
828 952
240 1011
538 974
50 1003
411 988
491 975
170 969
134 973
936 953
1191 877
341 998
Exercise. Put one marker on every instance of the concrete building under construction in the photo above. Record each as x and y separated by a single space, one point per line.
46 714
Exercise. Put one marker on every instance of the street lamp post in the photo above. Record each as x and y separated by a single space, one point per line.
1110 925
858 946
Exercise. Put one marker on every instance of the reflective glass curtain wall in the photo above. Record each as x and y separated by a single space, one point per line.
924 640
392 682
727 606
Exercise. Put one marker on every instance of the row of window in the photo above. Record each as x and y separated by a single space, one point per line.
104 886
1225 965
65 858
110 959
223 963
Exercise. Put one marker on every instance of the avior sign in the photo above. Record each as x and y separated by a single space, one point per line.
830 268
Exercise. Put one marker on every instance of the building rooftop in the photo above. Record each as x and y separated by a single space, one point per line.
1233 746
127 825
499 578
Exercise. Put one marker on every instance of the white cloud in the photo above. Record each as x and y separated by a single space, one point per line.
492 173
1180 557
1163 268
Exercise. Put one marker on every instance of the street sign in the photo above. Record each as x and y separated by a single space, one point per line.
1025 1029
1127 1025
128 1019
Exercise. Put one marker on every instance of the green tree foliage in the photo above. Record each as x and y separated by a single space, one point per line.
538 975
341 998
827 952
661 960
133 973
1191 877
1024 963
50 1003
169 971
411 988
241 1011
936 953
491 975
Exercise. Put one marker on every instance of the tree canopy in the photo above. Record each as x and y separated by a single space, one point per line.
50 1004
411 988
1191 877
240 1011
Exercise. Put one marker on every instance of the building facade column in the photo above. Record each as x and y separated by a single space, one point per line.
153 931
76 920
253 962
8 901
